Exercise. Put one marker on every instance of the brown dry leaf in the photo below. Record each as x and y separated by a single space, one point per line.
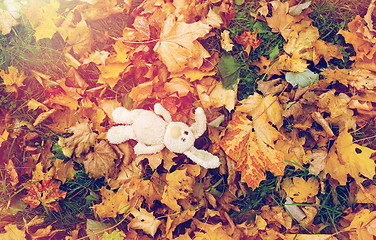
101 161
179 186
63 171
300 190
141 92
174 220
310 237
46 232
80 142
178 47
11 171
144 220
346 157
276 214
112 203
94 10
12 79
43 116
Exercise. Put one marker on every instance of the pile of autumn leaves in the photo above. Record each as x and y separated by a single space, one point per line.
161 53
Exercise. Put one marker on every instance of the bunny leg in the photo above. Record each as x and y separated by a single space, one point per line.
142 148
119 134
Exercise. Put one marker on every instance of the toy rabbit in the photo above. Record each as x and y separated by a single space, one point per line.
154 131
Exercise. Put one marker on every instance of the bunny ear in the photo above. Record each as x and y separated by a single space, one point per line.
202 158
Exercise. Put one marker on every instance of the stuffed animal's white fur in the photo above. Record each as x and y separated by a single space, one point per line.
155 130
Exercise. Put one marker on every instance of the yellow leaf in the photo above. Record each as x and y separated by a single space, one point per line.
112 203
178 46
122 51
13 233
43 15
346 157
4 137
179 186
299 189
179 86
144 220
34 104
110 73
220 97
363 223
292 64
193 74
226 42
13 79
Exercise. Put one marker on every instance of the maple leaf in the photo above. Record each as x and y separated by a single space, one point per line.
363 226
249 40
63 171
94 10
144 220
251 144
46 192
101 161
179 186
346 157
299 189
178 47
81 140
112 203
13 79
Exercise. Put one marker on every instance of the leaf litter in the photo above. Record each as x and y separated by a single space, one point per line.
295 131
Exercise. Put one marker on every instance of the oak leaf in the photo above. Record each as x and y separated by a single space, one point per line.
299 189
178 46
112 203
101 161
346 157
145 221
80 142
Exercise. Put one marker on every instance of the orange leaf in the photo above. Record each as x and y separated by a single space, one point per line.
249 40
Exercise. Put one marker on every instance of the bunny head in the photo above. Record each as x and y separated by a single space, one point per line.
178 137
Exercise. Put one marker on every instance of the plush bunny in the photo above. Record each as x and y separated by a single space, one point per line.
153 133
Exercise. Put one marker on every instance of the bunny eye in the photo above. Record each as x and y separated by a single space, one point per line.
186 132
183 139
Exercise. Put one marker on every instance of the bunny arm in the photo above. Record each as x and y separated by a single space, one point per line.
199 127
160 110
142 148
202 158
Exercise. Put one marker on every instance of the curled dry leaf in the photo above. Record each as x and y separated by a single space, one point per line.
80 142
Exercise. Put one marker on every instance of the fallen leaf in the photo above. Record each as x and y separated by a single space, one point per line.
179 186
7 21
12 79
226 42
112 203
178 47
144 220
346 157
63 171
13 233
80 142
101 161
46 192
249 40
299 189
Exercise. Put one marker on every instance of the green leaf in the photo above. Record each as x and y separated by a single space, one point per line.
261 26
304 79
274 53
229 70
239 2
